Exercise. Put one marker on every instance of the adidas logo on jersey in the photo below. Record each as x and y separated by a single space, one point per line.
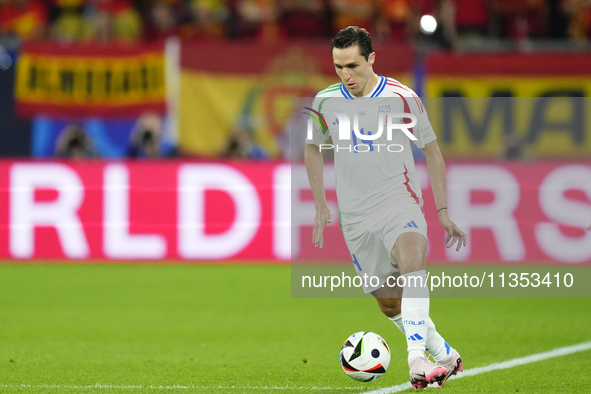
411 224
415 337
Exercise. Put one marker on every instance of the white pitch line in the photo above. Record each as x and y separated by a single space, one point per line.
174 387
561 351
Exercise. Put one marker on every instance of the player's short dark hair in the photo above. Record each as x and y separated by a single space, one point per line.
353 35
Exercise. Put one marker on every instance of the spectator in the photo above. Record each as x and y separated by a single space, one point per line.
102 21
73 143
207 19
27 19
258 19
241 145
304 18
398 19
146 139
125 22
444 11
579 18
163 21
68 25
471 18
101 29
521 20
353 13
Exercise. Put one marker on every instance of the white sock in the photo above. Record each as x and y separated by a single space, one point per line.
435 346
398 321
415 312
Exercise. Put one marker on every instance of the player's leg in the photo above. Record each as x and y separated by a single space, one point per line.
389 297
367 253
390 307
390 302
409 252
368 256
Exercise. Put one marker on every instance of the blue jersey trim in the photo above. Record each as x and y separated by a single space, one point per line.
376 93
345 92
380 88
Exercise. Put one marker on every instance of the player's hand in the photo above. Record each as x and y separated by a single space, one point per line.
323 217
453 231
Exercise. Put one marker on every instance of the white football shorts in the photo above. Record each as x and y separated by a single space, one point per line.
371 241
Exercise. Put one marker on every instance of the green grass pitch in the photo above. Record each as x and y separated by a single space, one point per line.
206 328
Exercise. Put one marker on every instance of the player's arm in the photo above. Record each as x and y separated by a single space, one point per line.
315 168
436 168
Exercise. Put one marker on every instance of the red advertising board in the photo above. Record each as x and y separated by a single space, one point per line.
213 211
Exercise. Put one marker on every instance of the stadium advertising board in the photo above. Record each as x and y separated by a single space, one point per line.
539 97
82 80
202 211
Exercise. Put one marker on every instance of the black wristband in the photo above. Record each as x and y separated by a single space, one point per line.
441 209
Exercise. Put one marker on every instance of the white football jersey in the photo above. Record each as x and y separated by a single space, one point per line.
371 174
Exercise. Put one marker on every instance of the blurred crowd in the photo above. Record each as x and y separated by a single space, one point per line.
268 21
129 21
146 141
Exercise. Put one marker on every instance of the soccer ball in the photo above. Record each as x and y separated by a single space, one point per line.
365 356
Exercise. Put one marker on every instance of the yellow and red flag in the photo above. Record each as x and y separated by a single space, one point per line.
251 86
84 80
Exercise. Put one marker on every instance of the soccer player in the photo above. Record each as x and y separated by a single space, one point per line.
380 204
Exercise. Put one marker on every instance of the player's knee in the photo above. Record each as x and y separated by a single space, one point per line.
416 263
390 306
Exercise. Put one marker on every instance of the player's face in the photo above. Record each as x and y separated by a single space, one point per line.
354 70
